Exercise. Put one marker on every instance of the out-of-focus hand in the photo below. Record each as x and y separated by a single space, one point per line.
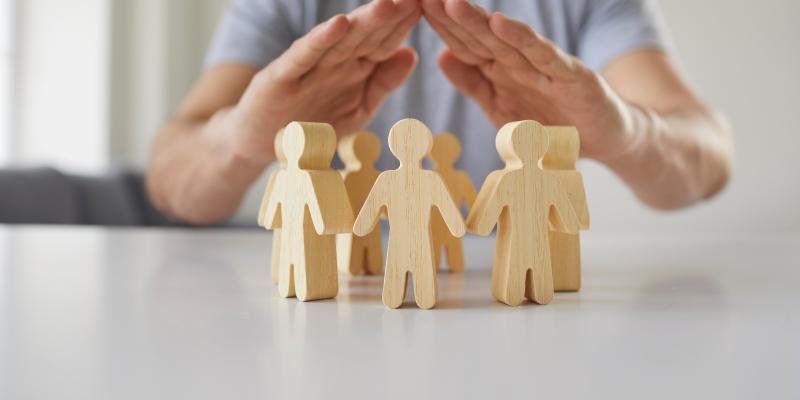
340 72
513 73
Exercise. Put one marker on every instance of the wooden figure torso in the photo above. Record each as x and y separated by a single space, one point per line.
410 219
311 203
446 151
565 248
359 255
525 201
407 195
523 229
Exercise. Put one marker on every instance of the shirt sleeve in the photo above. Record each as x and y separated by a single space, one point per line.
254 32
616 27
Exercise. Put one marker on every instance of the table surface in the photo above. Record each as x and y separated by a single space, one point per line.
140 314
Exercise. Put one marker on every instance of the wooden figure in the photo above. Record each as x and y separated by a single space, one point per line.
408 194
521 199
565 248
445 152
359 255
309 203
276 231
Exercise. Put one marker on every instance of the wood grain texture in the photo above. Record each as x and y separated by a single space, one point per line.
276 231
408 194
445 152
359 255
565 248
309 203
525 202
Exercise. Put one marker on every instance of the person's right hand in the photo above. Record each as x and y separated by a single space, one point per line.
339 73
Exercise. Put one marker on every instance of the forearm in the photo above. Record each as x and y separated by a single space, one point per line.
195 175
675 159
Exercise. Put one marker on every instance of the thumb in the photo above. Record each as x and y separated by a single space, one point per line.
388 76
468 79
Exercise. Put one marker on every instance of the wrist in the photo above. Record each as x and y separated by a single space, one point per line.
633 138
232 157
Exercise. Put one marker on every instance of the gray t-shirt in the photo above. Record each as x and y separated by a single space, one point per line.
255 32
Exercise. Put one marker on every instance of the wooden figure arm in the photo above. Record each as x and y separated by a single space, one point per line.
488 205
448 209
469 191
270 213
262 211
371 210
328 203
567 220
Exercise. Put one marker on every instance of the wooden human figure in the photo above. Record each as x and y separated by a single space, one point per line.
408 194
359 255
309 203
276 231
445 152
565 248
522 199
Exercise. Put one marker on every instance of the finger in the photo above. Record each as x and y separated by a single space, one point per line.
468 79
436 9
475 21
459 49
406 9
540 52
391 43
306 52
464 45
365 21
388 76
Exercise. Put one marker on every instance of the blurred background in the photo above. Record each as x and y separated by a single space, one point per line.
86 84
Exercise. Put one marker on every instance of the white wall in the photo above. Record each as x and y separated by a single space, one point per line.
157 56
6 68
62 83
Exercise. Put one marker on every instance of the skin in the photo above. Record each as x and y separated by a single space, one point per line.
639 116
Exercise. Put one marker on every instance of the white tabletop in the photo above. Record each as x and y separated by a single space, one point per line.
145 314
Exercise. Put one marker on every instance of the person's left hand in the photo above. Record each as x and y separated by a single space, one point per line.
513 73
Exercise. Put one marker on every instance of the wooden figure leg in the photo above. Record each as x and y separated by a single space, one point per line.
508 285
316 276
565 253
286 277
276 255
455 254
286 266
438 230
508 282
394 283
425 285
437 254
347 254
539 283
372 248
343 248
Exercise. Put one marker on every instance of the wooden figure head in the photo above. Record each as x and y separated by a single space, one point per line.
446 150
279 154
410 141
359 149
309 145
563 149
522 143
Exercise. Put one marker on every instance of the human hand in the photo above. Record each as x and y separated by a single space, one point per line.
513 73
340 73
